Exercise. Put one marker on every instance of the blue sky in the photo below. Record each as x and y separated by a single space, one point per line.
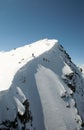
26 21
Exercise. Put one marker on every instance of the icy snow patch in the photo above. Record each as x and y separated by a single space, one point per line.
20 107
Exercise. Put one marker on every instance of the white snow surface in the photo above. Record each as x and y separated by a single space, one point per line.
20 107
35 72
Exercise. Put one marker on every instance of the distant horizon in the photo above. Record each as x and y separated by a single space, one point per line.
25 22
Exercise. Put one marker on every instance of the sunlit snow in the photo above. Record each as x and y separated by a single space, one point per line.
36 73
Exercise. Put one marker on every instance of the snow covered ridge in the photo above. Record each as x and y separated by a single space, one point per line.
40 89
13 58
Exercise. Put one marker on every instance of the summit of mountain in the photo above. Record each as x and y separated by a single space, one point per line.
40 88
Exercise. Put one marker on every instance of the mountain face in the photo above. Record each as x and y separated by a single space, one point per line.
40 89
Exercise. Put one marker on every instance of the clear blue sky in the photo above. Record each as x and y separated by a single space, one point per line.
26 21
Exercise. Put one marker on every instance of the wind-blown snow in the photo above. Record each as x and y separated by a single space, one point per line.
50 87
36 72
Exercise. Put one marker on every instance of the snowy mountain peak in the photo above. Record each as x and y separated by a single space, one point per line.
41 89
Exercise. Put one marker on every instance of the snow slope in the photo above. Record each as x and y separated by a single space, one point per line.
32 83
